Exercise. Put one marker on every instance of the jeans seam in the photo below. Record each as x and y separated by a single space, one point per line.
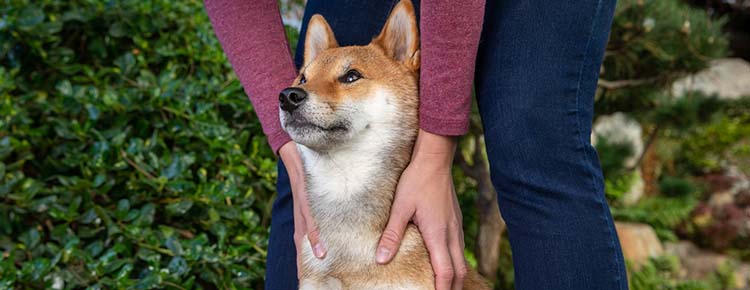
586 153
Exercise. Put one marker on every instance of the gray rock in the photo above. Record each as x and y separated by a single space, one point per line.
620 128
728 78
696 263
699 264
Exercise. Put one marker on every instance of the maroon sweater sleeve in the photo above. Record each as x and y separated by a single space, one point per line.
253 38
450 33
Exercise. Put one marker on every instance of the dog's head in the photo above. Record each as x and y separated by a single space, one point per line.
344 95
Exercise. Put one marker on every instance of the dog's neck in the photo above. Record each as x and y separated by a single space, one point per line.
352 188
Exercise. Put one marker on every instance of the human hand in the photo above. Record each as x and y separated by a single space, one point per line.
426 196
303 221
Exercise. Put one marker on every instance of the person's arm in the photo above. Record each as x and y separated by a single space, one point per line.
253 38
450 32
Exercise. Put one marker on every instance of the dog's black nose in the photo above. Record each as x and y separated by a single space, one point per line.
291 98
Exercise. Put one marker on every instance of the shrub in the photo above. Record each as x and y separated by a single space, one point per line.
662 273
665 214
129 155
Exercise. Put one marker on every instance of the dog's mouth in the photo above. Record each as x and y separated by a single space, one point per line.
303 124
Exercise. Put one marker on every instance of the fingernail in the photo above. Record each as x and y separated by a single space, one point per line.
382 255
319 251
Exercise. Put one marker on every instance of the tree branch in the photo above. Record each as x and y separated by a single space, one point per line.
611 85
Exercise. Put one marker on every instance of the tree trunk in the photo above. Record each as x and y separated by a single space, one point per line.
491 228
491 224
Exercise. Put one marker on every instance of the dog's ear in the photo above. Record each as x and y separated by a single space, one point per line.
400 35
319 37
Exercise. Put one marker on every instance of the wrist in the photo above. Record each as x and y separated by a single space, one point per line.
290 156
433 149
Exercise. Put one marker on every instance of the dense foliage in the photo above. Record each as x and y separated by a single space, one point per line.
129 155
651 44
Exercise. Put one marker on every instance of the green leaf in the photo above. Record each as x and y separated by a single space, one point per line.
117 29
93 112
30 238
123 207
99 180
213 216
64 88
29 17
95 248
150 281
180 207
124 271
36 269
146 216
178 266
174 245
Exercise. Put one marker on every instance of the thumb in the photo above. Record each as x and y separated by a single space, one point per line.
390 240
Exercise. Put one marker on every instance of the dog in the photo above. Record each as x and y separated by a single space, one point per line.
353 112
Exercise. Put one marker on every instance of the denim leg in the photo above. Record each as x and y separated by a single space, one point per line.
537 70
353 23
281 263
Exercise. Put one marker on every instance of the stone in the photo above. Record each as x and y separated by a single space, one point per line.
636 191
720 199
741 180
292 12
742 276
639 243
696 263
699 264
620 128
727 78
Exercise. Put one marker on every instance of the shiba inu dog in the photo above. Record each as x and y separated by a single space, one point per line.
353 113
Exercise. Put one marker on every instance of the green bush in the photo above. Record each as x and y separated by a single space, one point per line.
665 214
676 187
129 155
617 177
652 43
662 273
706 147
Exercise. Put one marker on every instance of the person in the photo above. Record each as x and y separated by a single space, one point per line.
534 65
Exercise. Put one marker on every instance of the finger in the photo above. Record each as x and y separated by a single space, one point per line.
390 240
313 235
299 233
437 244
311 228
456 248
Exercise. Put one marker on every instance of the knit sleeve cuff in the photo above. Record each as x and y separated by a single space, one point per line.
443 126
278 139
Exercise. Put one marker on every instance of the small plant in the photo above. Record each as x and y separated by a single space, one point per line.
665 214
661 273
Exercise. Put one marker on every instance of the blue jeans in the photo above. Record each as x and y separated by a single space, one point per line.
537 69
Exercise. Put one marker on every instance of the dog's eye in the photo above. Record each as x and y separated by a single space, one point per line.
350 76
302 80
